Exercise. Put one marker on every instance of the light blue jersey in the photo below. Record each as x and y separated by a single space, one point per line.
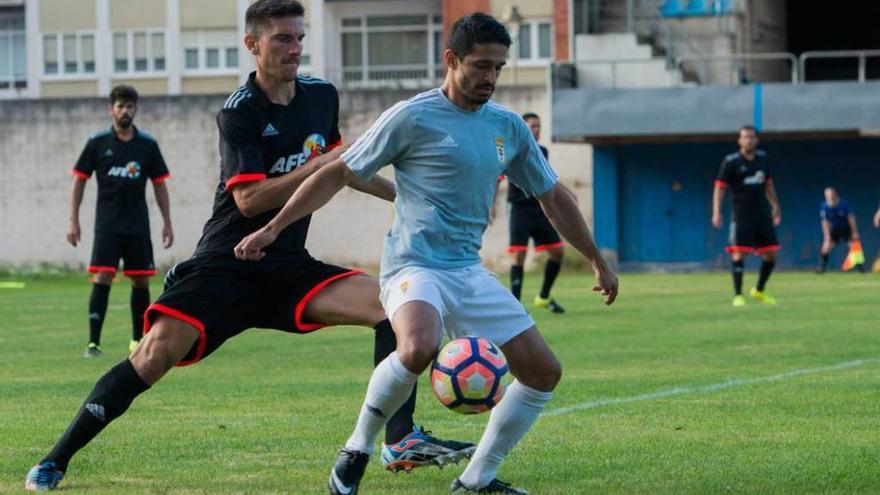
447 161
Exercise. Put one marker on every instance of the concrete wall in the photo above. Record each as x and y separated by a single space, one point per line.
130 14
67 16
41 139
207 14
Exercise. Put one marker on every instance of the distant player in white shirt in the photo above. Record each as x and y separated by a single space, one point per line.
448 147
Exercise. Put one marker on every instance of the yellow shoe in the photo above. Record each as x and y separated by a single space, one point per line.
739 300
550 304
763 297
133 345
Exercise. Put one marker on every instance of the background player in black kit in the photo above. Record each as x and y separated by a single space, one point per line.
123 158
268 128
755 212
527 220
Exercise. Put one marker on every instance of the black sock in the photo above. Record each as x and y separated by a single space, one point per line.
737 268
766 270
111 396
516 280
140 299
401 423
824 260
97 311
551 270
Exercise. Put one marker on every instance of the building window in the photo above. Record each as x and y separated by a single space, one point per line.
139 51
69 54
13 51
391 49
210 51
535 41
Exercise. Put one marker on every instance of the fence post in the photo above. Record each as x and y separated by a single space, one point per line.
862 67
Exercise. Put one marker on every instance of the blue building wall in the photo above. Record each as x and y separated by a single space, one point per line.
652 202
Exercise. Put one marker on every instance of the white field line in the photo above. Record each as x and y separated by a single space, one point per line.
715 387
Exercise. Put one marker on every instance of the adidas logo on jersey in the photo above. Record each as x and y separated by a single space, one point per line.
270 130
447 142
108 153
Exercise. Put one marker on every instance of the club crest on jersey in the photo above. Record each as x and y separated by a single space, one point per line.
756 179
132 170
499 147
313 146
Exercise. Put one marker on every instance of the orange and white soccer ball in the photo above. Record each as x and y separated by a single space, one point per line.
467 375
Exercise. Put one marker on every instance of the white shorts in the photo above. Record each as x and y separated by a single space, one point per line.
470 300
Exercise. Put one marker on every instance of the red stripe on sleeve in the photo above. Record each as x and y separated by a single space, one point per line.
161 179
244 178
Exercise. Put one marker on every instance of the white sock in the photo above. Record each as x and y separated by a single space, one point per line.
508 422
389 388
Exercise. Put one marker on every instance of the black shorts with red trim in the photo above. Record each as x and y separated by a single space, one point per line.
528 221
222 296
756 237
135 250
840 234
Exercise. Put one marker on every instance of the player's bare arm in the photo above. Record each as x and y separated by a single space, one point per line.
717 198
377 186
160 189
770 191
877 219
493 211
312 194
853 226
826 236
73 231
253 198
561 209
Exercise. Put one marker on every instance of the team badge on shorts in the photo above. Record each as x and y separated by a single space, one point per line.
499 147
404 286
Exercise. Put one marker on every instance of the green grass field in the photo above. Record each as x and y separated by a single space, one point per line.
671 390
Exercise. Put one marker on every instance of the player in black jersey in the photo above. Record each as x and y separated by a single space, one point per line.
527 220
122 158
755 212
274 131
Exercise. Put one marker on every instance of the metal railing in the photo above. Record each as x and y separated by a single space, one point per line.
403 76
613 73
861 55
741 62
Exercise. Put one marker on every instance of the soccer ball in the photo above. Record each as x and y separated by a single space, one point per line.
466 376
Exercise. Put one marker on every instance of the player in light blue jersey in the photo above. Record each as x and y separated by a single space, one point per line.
448 147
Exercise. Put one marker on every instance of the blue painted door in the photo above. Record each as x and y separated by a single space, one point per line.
663 211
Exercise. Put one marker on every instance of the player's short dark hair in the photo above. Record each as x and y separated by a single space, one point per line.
123 92
530 115
748 128
474 29
262 11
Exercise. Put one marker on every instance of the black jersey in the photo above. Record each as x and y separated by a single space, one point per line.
747 181
122 168
516 195
260 139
